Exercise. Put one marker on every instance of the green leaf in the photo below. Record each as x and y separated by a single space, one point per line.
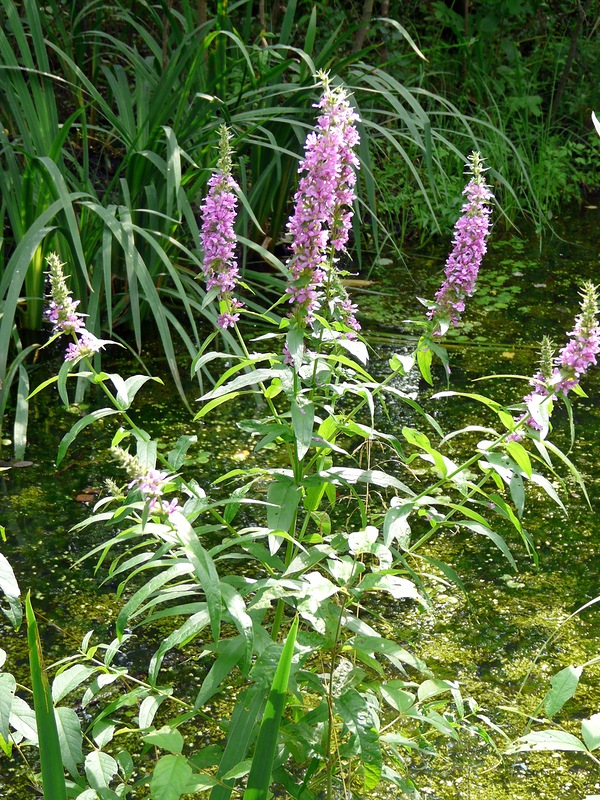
547 740
433 687
564 685
148 590
100 769
393 652
396 527
231 651
283 496
399 588
170 778
519 454
236 608
243 768
303 417
166 738
446 570
53 776
495 537
424 359
244 721
7 694
10 587
352 475
218 401
206 573
259 778
70 437
590 730
70 738
176 456
68 680
22 719
353 709
241 382
397 697
185 633
126 765
517 493
198 783
148 708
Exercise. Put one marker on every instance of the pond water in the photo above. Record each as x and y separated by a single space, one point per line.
490 638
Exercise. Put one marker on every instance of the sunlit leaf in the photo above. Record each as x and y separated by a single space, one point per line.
564 685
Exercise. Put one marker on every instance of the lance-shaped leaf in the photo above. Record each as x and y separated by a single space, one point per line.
564 685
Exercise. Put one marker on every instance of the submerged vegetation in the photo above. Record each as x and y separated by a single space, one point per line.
269 635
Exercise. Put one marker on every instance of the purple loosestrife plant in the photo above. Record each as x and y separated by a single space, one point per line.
580 352
469 246
62 309
562 374
87 344
62 313
217 236
322 216
150 482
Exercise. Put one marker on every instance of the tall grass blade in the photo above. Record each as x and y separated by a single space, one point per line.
259 778
244 719
53 776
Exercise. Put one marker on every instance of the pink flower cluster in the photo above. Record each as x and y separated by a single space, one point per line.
64 317
217 236
150 482
62 313
322 214
468 248
87 344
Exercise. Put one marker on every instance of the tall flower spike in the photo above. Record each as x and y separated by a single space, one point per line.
563 373
62 313
468 248
580 352
217 235
62 309
322 215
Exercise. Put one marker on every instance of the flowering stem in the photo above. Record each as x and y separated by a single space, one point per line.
144 437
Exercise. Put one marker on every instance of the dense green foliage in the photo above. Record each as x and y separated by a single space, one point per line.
267 577
110 123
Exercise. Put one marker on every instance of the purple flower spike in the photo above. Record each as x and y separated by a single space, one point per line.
563 373
320 223
62 309
217 235
580 352
468 248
